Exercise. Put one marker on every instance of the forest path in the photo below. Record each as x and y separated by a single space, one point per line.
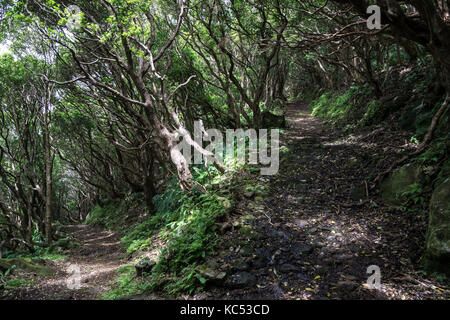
320 230
93 262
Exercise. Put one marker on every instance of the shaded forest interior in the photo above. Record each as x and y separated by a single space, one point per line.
98 200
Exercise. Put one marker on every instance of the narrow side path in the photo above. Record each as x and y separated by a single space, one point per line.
318 233
98 257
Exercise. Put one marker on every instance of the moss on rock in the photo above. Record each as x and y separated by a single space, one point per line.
400 181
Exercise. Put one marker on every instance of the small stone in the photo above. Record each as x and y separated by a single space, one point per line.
331 238
319 244
221 275
343 256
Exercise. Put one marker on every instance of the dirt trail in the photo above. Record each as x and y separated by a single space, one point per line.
315 241
97 258
319 230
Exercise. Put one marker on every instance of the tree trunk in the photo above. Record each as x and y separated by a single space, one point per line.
48 172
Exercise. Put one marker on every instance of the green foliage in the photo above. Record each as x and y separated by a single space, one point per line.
190 238
434 152
192 235
112 215
320 105
284 151
138 237
17 283
371 112
26 264
441 277
105 216
184 221
41 253
125 285
4 275
414 140
335 107
276 107
413 195
422 123
187 280
137 244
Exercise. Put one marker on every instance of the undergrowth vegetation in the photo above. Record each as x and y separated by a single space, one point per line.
181 230
335 107
410 98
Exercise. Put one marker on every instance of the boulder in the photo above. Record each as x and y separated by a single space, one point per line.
399 181
437 247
